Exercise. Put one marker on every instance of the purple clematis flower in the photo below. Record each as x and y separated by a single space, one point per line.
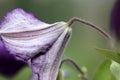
115 20
38 44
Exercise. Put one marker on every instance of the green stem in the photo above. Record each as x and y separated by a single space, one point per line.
71 21
84 77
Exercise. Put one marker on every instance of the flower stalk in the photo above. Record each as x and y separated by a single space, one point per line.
84 76
75 19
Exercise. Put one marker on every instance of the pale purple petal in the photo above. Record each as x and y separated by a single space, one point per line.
39 44
46 66
19 20
25 36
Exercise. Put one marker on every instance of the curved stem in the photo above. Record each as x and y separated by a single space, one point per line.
71 21
84 77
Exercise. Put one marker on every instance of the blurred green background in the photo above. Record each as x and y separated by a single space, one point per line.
84 40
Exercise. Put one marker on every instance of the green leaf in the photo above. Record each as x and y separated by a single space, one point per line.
115 69
110 54
103 72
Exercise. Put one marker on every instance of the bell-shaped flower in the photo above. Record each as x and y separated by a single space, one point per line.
37 43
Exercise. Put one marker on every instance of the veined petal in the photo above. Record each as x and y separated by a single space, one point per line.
24 39
39 44
46 66
18 20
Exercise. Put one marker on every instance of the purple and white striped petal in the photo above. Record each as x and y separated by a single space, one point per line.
25 36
